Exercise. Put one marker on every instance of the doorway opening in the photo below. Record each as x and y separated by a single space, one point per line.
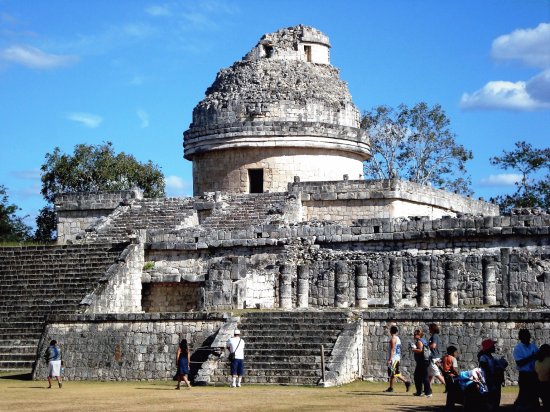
256 180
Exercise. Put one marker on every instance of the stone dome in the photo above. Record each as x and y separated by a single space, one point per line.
283 94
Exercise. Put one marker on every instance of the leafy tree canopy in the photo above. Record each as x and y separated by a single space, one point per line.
533 189
416 144
12 227
92 168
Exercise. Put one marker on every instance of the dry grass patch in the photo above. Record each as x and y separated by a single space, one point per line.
25 395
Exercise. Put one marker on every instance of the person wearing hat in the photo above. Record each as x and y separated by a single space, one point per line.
493 370
525 354
235 345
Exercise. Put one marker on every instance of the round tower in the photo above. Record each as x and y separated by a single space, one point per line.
282 111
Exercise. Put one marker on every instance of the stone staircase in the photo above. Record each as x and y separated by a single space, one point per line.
285 347
246 210
36 281
157 213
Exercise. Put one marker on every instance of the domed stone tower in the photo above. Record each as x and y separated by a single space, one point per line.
282 111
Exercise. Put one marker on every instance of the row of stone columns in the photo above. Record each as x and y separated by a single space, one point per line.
342 284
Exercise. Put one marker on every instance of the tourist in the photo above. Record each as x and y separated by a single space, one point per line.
394 358
493 370
449 366
542 369
422 359
53 359
183 362
525 354
435 354
235 345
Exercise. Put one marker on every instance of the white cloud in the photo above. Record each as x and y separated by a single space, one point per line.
35 58
501 95
86 119
143 117
532 46
33 174
159 11
176 186
502 179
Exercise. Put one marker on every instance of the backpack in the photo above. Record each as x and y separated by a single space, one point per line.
426 352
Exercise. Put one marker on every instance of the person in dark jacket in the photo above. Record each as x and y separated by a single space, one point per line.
52 357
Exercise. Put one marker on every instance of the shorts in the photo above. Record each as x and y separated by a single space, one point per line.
433 369
237 367
54 368
393 369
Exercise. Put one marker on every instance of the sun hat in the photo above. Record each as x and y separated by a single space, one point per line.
487 344
237 332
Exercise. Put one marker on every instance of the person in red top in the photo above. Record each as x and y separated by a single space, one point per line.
449 365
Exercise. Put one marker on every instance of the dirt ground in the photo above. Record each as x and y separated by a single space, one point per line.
18 394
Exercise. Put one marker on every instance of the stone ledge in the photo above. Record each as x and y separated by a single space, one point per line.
138 317
434 314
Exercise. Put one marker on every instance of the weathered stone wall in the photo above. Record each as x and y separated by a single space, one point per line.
464 329
78 211
227 170
170 297
347 201
126 346
119 291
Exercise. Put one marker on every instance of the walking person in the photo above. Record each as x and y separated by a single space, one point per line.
53 359
542 368
422 358
394 358
435 354
525 354
235 345
183 361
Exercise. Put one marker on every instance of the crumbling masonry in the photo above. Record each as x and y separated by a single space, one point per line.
282 225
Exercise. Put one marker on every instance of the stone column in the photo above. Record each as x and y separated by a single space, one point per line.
285 287
361 286
303 286
489 282
424 287
341 288
546 288
505 273
396 282
451 282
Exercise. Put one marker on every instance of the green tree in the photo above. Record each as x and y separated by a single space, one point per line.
416 144
12 227
533 189
92 168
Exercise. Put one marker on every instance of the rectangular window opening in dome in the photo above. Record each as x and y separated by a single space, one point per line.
256 180
307 53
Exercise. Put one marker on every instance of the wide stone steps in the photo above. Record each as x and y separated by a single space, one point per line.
285 347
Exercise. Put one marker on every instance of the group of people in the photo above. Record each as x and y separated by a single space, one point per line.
485 381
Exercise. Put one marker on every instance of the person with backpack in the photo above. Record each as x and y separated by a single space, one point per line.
493 370
422 353
52 356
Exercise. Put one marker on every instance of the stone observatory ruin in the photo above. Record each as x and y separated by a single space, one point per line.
283 239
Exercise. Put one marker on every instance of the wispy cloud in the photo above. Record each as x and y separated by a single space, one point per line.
176 186
159 10
530 46
35 58
26 174
502 179
86 119
143 117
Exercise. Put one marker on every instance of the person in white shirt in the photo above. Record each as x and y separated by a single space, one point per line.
235 345
394 358
525 354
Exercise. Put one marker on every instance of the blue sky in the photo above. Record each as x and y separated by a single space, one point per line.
131 71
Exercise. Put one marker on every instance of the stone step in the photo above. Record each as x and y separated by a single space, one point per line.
314 346
259 361
286 327
17 348
307 335
8 357
16 364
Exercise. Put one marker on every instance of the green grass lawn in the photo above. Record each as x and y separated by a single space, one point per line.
18 394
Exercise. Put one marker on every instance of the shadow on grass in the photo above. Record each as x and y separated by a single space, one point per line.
18 376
